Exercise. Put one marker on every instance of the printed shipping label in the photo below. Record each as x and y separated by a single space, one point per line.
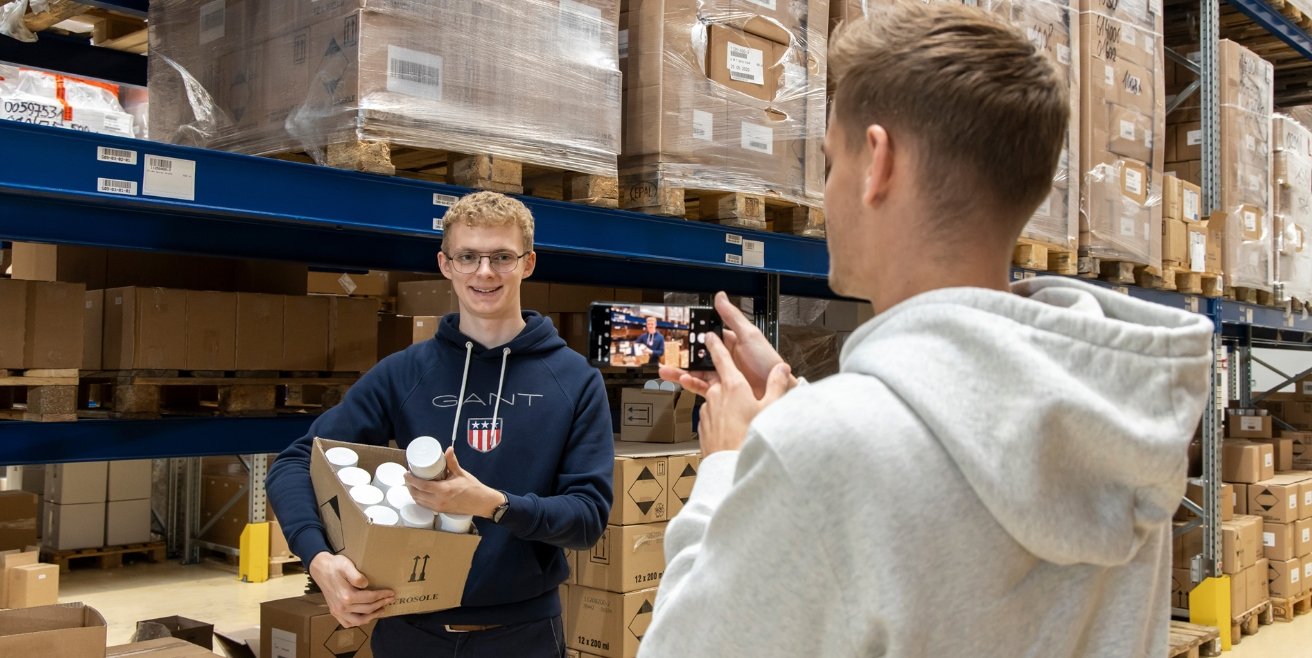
1307 535
580 26
284 644
758 138
746 64
1197 252
1128 35
1190 203
703 125
1194 137
347 283
171 178
1127 130
1134 181
1128 227
1110 75
754 253
119 124
1293 501
1269 461
212 21
1250 423
413 73
1269 539
117 156
1250 220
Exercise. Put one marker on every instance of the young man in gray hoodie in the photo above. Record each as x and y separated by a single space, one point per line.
994 470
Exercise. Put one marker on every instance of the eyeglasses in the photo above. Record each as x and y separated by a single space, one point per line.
468 262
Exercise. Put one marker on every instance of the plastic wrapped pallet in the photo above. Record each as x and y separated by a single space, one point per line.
48 98
534 81
1292 207
1246 82
723 96
1122 120
1053 28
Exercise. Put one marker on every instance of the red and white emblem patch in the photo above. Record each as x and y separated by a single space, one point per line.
483 435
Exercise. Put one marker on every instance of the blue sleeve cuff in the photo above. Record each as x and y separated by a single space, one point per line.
522 515
307 544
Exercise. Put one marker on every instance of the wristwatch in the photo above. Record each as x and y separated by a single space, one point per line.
500 510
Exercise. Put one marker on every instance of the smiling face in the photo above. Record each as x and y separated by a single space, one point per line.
651 325
486 293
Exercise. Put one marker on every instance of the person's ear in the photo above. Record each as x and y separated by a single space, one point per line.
880 165
444 265
530 264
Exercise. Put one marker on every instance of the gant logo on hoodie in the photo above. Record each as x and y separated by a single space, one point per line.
484 434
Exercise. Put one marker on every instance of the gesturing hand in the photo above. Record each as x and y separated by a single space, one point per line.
731 403
459 493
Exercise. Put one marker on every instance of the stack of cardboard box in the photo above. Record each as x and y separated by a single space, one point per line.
1184 229
1122 118
534 82
1292 207
25 582
302 627
723 95
41 326
94 504
609 598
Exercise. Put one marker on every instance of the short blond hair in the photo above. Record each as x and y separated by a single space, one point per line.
987 109
489 209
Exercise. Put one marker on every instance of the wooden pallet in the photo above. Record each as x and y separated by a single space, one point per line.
483 172
109 557
38 395
1250 295
1123 273
278 566
1041 257
110 29
1287 609
156 393
1192 640
1249 622
652 194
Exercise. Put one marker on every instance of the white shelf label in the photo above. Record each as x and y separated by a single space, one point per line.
754 253
733 238
171 178
733 259
115 186
758 138
746 64
117 156
444 199
414 73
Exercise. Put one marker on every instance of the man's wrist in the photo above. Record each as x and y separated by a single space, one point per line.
495 499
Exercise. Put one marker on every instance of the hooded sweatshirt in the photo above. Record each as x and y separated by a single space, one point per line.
529 418
990 474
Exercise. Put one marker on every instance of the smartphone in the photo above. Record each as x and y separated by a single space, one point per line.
628 335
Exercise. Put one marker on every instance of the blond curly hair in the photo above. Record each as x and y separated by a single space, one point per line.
489 209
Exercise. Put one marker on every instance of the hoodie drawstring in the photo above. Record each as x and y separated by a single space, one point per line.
496 408
464 379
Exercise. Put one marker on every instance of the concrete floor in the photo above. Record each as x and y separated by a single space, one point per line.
207 593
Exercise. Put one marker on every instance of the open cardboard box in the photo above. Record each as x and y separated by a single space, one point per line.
426 568
69 630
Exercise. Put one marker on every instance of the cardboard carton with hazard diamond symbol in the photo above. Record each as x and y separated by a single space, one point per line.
608 624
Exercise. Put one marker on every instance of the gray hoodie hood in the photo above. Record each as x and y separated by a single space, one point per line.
1081 449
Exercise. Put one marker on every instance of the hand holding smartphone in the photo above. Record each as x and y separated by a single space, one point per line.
627 335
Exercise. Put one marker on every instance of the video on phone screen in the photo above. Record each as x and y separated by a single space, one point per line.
642 335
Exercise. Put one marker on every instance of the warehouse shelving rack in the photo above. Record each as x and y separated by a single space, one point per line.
249 207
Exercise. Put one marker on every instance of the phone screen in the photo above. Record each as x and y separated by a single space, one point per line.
626 335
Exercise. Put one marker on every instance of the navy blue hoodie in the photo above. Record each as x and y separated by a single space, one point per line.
554 457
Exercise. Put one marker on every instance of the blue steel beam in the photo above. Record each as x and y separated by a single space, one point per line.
259 207
1277 24
76 56
98 440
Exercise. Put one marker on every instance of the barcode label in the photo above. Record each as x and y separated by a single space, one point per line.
733 259
580 26
758 138
746 64
444 199
115 186
754 253
1134 182
1250 221
213 19
1190 202
171 178
703 125
117 156
733 238
413 73
163 165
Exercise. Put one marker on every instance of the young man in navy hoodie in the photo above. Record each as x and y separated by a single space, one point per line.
538 483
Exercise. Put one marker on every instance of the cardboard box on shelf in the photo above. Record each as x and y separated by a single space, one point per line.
69 527
641 486
127 522
1303 537
305 333
1276 499
1247 462
606 623
1175 241
388 556
32 585
352 334
129 479
436 298
1258 590
50 262
1239 592
145 328
1243 426
1194 492
211 330
69 630
259 326
18 519
1283 448
77 482
1305 495
654 416
1189 141
1285 578
167 647
302 627
1250 537
626 558
53 325
367 284
93 330
1232 548
13 325
1278 541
